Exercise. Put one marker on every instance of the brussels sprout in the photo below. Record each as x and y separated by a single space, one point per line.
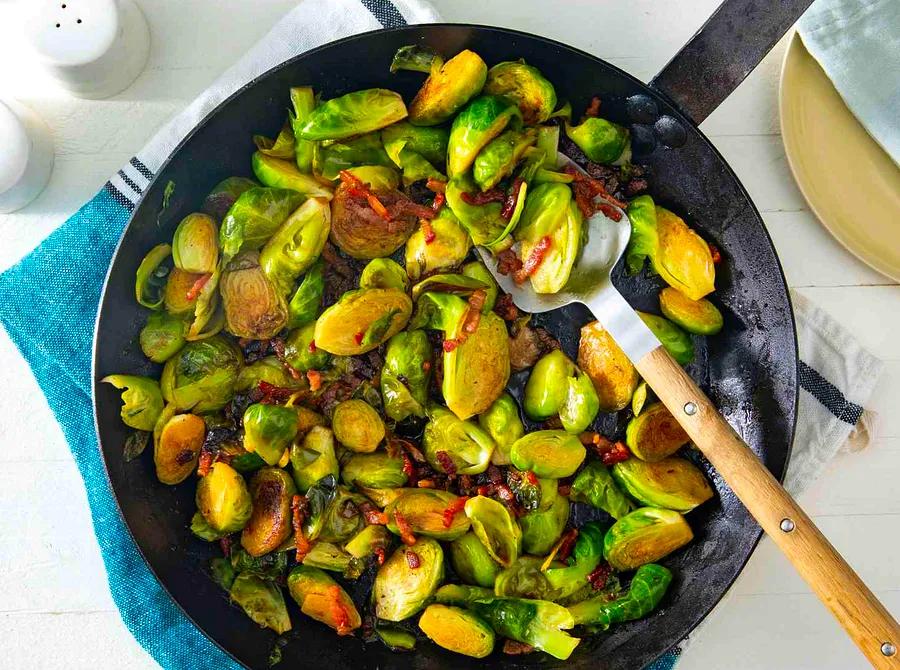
400 590
524 85
586 556
551 212
263 602
296 245
209 316
478 123
382 497
457 630
342 518
271 490
699 317
601 141
361 232
483 222
143 401
673 483
254 308
361 320
177 451
405 375
367 541
613 375
496 528
548 142
458 594
195 244
449 86
525 579
677 342
541 529
328 556
648 586
472 562
224 195
595 486
477 270
314 459
682 257
644 236
281 147
303 101
302 353
352 154
476 371
639 398
557 387
501 421
548 453
353 114
501 155
254 217
645 536
307 300
321 598
429 143
655 434
201 529
162 336
378 470
178 286
269 430
383 273
269 370
451 283
535 622
202 375
151 277
464 443
428 513
415 58
448 249
272 567
223 499
396 639
357 426
241 459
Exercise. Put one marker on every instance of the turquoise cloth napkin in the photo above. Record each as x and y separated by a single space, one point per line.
857 43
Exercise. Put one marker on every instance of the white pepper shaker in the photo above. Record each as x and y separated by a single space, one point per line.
92 48
26 159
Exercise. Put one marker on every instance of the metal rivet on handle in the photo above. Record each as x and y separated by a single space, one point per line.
888 649
690 408
787 525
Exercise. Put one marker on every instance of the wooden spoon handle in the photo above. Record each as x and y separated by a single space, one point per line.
856 608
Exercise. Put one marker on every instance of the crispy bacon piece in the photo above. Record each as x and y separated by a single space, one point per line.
473 311
413 560
401 206
564 489
505 308
299 512
379 555
436 185
408 469
531 477
312 346
357 189
198 285
427 231
509 205
272 395
567 544
484 197
586 189
225 544
205 463
508 262
594 108
406 534
534 260
598 578
439 200
446 463
426 484
338 611
716 254
609 452
450 345
315 380
514 648
373 517
452 510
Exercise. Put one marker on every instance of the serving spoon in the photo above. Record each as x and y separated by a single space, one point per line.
856 608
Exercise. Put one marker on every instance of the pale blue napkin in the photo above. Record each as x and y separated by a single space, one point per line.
857 43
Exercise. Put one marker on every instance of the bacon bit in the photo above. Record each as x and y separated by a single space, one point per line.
484 490
299 510
339 611
564 489
716 254
412 560
450 345
586 189
439 200
225 545
205 463
452 510
357 188
446 463
375 518
379 555
473 312
483 198
567 544
504 492
509 205
609 211
610 453
408 469
315 380
598 578
514 648
594 108
312 346
534 260
427 231
406 534
531 477
495 474
436 185
194 291
358 338
508 262
505 308
272 395
426 484
426 366
587 438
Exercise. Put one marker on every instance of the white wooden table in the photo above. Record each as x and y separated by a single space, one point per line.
56 612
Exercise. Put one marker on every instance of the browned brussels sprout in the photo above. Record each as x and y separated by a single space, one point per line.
322 598
472 562
368 541
262 600
178 292
524 85
457 630
477 124
195 245
683 258
429 512
352 114
254 308
223 499
383 273
361 320
476 371
548 453
269 430
655 434
162 336
672 483
601 141
645 536
700 317
361 232
177 451
271 490
498 531
449 86
378 470
202 375
448 247
613 375
313 459
401 590
281 173
357 426
143 401
296 245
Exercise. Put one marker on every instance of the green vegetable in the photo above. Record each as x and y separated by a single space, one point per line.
648 586
151 277
378 470
673 483
269 370
307 300
357 426
525 579
367 541
416 150
524 85
406 374
477 270
415 58
499 158
272 491
463 442
455 284
143 401
496 528
586 556
548 453
304 102
644 237
281 147
201 529
202 375
342 518
399 590
195 245
535 622
501 421
396 639
254 307
457 630
162 336
645 536
682 257
700 317
459 594
449 86
300 352
353 114
254 217
425 512
176 452
322 599
483 222
383 273
361 320
613 375
223 499
472 562
224 195
314 459
478 123
351 154
271 567
328 556
269 430
448 249
262 601
654 434
296 245
601 141
557 388
676 341
595 486
639 398
541 529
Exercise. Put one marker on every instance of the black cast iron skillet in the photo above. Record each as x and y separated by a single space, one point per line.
749 370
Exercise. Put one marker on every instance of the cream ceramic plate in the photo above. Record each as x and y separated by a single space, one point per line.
850 183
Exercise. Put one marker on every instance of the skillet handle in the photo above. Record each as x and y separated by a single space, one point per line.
865 619
723 52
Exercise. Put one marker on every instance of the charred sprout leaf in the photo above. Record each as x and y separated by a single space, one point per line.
524 85
448 248
682 257
478 123
222 573
595 486
177 450
320 496
296 245
142 400
383 273
557 388
343 327
463 443
586 556
699 317
223 499
352 154
269 430
269 370
271 490
498 531
477 270
307 300
525 579
548 453
601 141
472 562
281 147
314 459
449 86
304 102
162 336
396 639
457 630
501 421
201 529
357 426
353 114
254 218
536 622
378 470
415 58
677 342
151 277
672 483
406 374
655 434
645 536
429 512
262 601
224 195
195 245
367 541
541 529
254 307
322 599
202 375
499 158
400 590
135 445
648 586
301 351
644 236
613 375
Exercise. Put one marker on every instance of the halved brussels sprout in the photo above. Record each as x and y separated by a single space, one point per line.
459 594
269 430
477 124
262 601
162 336
647 588
501 155
342 518
177 450
655 434
644 237
613 375
586 556
645 536
449 86
483 222
302 352
143 401
382 497
202 375
322 598
224 195
361 232
639 398
313 459
472 562
677 342
396 639
551 212
328 556
536 622
353 114
271 490
557 387
541 529
548 453
178 287
477 270
400 590
280 173
700 317
501 421
204 531
405 375
223 499
524 85
254 217
595 486
296 245
361 320
457 630
682 257
151 277
476 371
463 443
447 249
353 154
254 308
383 273
303 100
429 512
429 143
357 426
195 245
525 579
601 141
269 370
415 58
378 470
673 483
496 528
307 300
367 541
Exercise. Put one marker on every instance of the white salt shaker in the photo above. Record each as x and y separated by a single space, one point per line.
26 159
92 48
